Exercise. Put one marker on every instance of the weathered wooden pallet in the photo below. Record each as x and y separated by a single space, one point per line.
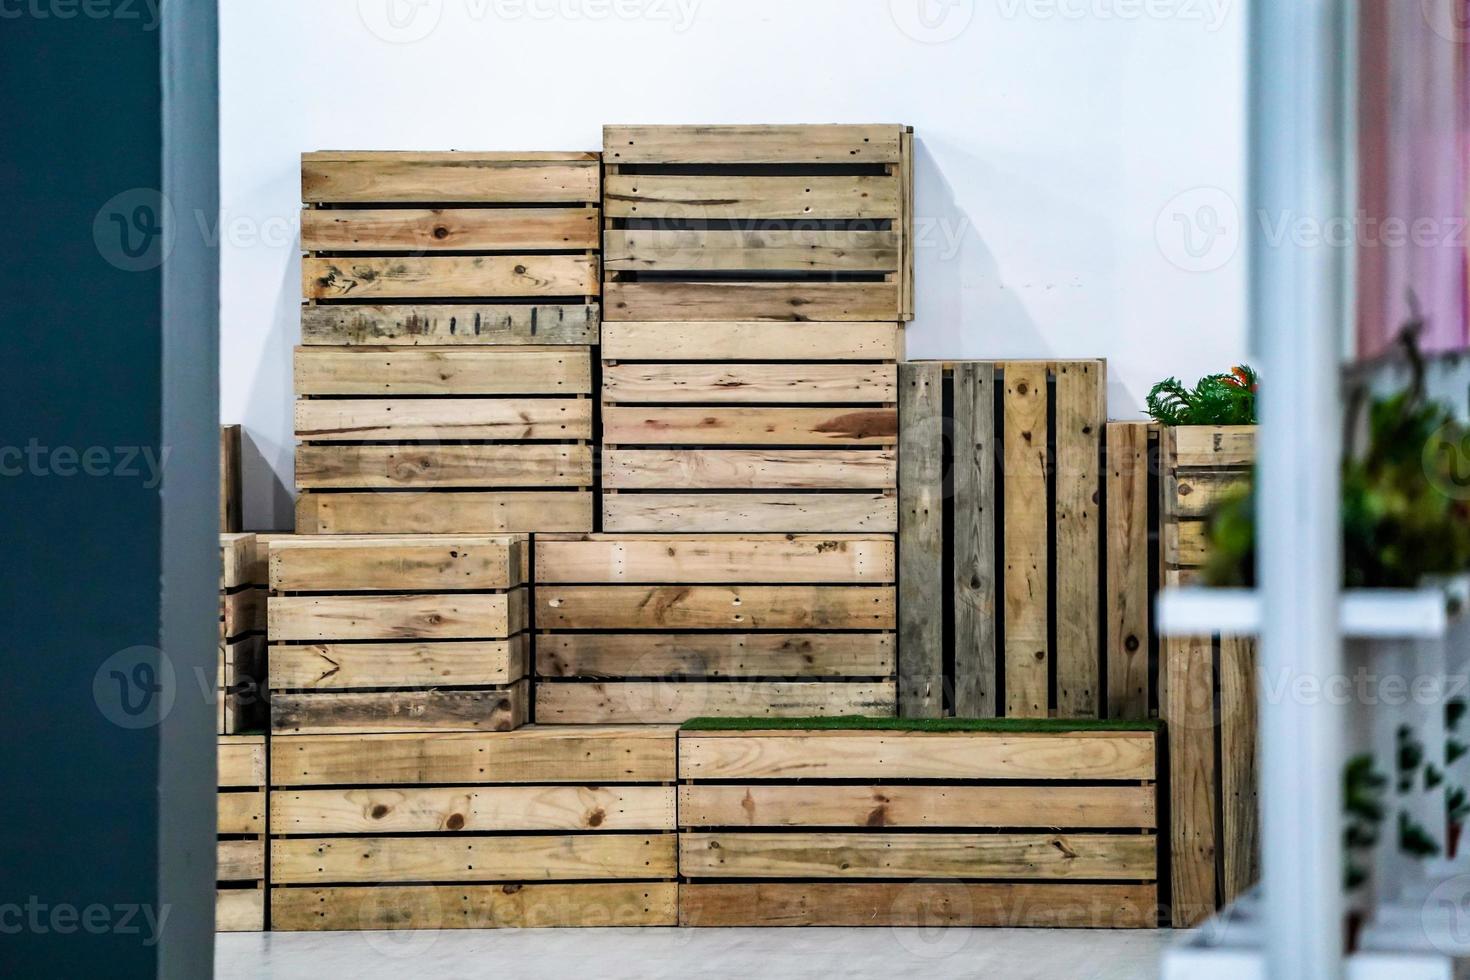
758 223
241 878
1207 687
231 518
533 828
640 628
409 633
750 427
903 828
239 704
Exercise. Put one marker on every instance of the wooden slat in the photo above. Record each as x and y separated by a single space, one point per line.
886 855
1081 415
776 301
1204 445
241 612
642 702
1127 570
747 513
230 499
428 325
1027 589
444 512
451 616
396 564
241 760
390 371
975 665
799 249
748 383
442 419
752 144
392 178
921 540
906 805
1188 707
310 860
237 554
424 467
1186 543
240 860
1196 493
743 426
740 469
919 904
467 276
239 910
449 229
343 666
906 225
1128 756
534 906
604 655
595 756
684 607
694 559
1239 786
240 812
724 197
324 712
734 341
408 810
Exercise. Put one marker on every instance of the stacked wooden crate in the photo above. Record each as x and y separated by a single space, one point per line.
445 374
867 824
533 828
240 706
240 894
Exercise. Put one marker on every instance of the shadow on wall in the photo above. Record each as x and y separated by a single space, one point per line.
269 468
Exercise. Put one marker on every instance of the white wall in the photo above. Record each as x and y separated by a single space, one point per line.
1055 139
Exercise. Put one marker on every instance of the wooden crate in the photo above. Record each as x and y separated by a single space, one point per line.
758 223
884 827
231 503
240 889
539 827
389 634
1207 688
639 628
239 702
750 427
1001 539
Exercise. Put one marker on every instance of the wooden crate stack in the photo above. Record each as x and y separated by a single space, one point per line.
446 370
389 634
240 892
864 827
1207 687
539 827
240 707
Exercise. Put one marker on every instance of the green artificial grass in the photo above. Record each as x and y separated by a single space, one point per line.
852 723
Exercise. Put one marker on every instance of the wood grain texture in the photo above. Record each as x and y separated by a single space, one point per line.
1027 589
442 419
746 512
695 559
921 540
345 666
776 301
748 382
743 426
240 812
1206 445
724 197
344 325
512 906
669 701
241 760
237 554
457 177
412 810
414 563
799 249
752 144
325 712
715 655
462 276
743 607
1128 569
432 466
1081 415
1239 781
736 340
749 469
447 616
389 371
1196 493
239 910
449 229
1188 709
975 663
240 860
230 501
444 512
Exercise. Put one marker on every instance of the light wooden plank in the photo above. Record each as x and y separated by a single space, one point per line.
343 666
886 855
906 225
424 467
1081 416
748 383
614 655
239 910
1209 445
644 702
241 612
534 906
749 469
470 809
340 324
801 249
449 229
1186 544
1196 493
241 760
594 756
418 563
743 426
240 812
1124 756
237 554
907 805
1188 707
444 512
561 857
1027 588
240 860
734 341
921 540
449 616
324 712
1239 785
752 144
1127 569
466 276
745 607
974 439
442 419
767 197
388 371
751 512
694 559
393 178
775 301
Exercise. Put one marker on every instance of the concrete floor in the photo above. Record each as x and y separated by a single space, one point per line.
648 954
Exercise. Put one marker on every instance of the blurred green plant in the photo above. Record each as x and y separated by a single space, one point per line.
1216 399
